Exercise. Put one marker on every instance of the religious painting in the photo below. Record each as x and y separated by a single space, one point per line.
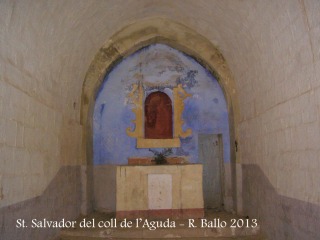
158 116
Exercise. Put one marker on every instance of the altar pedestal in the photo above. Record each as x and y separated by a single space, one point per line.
173 191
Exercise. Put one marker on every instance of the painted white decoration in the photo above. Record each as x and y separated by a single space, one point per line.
160 191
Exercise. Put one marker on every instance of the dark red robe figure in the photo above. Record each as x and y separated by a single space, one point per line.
158 116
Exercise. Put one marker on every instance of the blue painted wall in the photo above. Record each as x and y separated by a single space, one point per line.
162 68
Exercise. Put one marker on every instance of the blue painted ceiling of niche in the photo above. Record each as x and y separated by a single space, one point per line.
160 67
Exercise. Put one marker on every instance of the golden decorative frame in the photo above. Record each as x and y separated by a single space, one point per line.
137 98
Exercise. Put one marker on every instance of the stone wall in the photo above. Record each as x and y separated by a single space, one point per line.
279 130
39 124
281 217
61 199
40 134
279 97
104 185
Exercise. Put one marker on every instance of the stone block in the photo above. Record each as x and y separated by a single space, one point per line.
132 188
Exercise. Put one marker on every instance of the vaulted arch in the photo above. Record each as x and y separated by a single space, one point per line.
134 37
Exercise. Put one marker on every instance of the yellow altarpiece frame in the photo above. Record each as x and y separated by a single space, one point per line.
137 98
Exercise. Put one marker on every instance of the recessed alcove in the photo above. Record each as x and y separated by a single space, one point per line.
158 116
159 98
158 122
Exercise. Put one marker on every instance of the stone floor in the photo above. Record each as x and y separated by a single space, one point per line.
180 229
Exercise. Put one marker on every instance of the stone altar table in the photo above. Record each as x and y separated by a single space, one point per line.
173 191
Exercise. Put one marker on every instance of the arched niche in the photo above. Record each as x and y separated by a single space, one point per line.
127 41
176 129
158 123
